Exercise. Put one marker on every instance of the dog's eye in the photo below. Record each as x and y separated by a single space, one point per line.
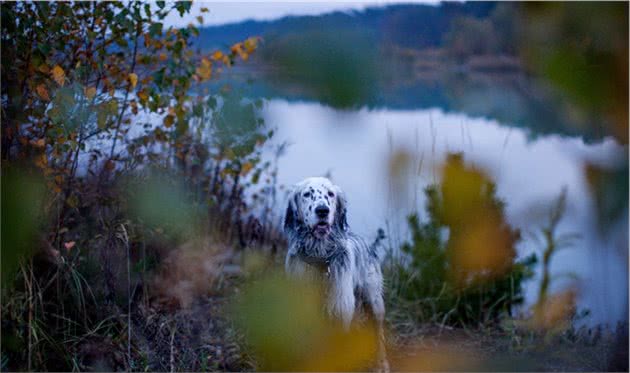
307 194
331 194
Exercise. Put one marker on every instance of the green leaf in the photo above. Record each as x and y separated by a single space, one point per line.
158 77
44 48
183 7
155 29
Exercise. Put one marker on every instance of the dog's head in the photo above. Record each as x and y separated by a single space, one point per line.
317 205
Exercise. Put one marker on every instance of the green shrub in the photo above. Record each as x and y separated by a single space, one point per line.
470 277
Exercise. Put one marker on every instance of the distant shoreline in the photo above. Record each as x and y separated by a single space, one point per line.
423 61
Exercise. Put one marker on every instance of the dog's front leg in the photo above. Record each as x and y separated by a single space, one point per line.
341 300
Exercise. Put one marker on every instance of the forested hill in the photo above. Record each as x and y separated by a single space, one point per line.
410 26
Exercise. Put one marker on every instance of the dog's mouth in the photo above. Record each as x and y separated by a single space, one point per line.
321 228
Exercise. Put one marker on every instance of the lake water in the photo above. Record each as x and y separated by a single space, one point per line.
355 147
530 164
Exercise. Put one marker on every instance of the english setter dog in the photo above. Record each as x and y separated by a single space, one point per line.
319 240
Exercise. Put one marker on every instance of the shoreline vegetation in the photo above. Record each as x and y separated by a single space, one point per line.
165 252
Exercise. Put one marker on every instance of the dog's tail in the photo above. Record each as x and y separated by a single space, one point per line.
374 247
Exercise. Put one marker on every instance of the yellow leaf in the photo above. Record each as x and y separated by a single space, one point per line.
44 68
236 48
59 75
90 92
246 168
168 121
41 161
554 312
205 70
43 92
250 44
143 96
133 79
217 55
204 10
39 143
163 56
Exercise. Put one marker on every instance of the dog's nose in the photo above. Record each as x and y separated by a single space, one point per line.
322 211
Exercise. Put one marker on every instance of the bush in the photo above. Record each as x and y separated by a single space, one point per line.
470 277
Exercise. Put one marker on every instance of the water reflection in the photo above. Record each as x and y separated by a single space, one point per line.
355 147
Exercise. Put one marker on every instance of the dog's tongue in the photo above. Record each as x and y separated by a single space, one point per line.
321 228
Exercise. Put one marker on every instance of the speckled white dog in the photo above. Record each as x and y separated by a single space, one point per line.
319 239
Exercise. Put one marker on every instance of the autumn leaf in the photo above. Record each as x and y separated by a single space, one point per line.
250 44
246 168
143 96
237 48
217 55
38 143
205 70
163 56
204 10
90 92
58 75
168 121
41 161
133 80
43 92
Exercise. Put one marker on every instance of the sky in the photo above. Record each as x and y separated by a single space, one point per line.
231 12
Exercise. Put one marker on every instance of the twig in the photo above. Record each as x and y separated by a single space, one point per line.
172 361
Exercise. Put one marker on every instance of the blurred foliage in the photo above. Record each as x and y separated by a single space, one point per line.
341 72
285 325
238 130
110 160
160 202
472 276
22 202
610 189
582 48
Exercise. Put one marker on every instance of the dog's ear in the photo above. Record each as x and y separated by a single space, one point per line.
341 220
290 216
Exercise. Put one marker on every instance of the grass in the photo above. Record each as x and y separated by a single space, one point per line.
87 297
138 296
